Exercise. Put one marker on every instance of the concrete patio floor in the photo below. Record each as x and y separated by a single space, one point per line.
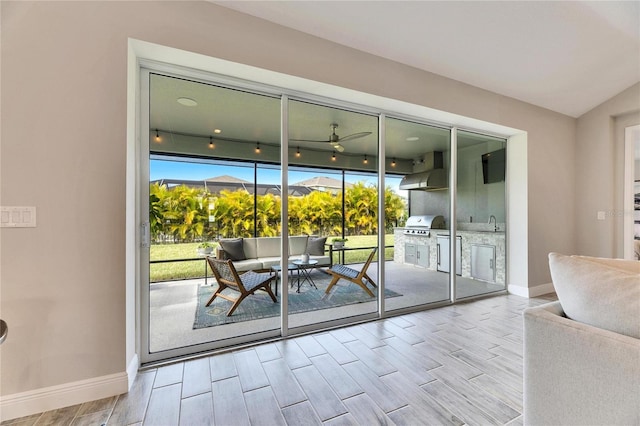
173 305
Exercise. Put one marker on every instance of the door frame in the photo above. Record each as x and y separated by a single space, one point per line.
165 59
631 156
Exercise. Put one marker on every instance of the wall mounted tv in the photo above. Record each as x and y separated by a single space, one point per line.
493 166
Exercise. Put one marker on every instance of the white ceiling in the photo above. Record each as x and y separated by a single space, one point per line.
245 118
565 56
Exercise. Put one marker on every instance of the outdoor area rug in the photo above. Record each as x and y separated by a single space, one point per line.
260 304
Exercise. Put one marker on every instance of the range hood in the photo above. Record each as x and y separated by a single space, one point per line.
426 181
433 178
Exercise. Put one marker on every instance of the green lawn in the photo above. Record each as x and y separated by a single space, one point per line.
194 269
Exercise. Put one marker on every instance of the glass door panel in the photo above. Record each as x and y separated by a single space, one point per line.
481 213
332 195
213 177
417 201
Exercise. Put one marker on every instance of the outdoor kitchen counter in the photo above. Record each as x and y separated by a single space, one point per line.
468 238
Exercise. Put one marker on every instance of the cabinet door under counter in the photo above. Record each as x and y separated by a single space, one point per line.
416 254
443 254
483 262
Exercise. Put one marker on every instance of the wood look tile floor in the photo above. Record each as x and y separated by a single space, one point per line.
448 366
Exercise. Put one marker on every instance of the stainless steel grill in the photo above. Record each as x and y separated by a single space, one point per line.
420 225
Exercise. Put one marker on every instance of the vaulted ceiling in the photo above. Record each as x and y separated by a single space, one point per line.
566 56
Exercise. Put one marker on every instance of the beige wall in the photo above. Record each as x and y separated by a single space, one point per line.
600 173
63 136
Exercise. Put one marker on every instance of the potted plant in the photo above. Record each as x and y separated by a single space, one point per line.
339 242
205 248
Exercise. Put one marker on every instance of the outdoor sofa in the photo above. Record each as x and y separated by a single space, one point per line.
582 352
260 254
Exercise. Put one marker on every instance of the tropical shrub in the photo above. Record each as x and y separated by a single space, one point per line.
184 214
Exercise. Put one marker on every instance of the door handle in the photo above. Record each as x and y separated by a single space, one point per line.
145 235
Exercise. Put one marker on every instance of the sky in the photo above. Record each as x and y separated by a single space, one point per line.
163 169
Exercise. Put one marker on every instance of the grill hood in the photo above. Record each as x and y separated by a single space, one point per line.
430 180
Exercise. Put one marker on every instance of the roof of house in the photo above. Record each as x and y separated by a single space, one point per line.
215 186
227 178
319 182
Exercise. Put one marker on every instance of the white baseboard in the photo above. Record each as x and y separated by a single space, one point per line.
132 370
65 395
528 292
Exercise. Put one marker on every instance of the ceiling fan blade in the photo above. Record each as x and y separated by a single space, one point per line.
308 140
355 136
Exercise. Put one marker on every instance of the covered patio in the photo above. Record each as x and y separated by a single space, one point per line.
173 304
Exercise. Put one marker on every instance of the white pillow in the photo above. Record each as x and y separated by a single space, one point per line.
598 294
626 265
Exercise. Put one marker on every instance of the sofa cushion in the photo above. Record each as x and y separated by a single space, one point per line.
248 265
315 245
614 263
322 260
251 248
298 245
597 293
233 248
268 246
268 262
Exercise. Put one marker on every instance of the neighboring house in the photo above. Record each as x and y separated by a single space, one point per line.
323 183
68 119
229 183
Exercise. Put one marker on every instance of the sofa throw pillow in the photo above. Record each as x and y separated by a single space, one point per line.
315 245
597 294
233 248
623 264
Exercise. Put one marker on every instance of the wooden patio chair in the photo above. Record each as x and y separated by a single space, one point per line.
358 277
245 284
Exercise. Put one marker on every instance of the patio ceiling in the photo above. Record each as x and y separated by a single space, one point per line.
256 118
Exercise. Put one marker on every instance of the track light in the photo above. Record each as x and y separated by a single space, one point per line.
211 145
298 152
393 162
257 147
157 136
365 161
333 157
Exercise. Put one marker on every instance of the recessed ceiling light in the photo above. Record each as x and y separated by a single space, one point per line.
412 138
217 131
187 102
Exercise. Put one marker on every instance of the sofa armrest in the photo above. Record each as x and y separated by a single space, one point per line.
220 253
578 374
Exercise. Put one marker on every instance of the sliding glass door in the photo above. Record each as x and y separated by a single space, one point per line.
219 179
333 194
214 191
481 213
418 156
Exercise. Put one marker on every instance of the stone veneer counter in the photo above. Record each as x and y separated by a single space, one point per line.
469 238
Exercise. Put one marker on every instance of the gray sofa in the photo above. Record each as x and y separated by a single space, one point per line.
262 253
583 367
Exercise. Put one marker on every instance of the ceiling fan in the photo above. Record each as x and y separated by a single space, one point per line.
334 139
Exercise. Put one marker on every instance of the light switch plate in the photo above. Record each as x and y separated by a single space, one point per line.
18 217
602 215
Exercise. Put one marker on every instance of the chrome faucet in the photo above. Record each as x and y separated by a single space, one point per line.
495 222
